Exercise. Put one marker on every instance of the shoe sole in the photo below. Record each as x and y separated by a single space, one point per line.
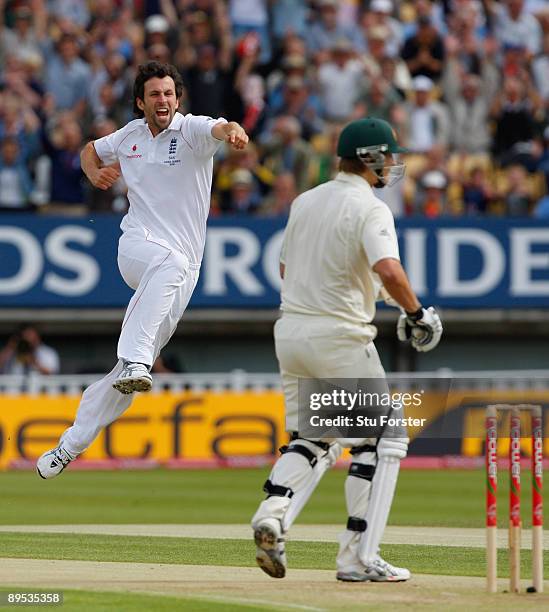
131 385
267 555
360 578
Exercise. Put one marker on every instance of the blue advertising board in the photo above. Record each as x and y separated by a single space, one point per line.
458 263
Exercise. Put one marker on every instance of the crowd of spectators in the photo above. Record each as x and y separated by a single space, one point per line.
465 83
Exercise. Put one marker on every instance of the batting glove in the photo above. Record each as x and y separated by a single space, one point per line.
423 327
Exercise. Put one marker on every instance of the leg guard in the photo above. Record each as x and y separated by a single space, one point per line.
301 497
357 494
389 452
290 475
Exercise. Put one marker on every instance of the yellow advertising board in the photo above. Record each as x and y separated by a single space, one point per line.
157 426
210 425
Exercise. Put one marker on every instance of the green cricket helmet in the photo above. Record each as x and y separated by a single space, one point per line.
371 139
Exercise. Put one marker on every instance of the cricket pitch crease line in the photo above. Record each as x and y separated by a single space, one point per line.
461 537
271 604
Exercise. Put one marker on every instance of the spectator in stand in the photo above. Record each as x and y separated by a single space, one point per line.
540 70
515 62
248 159
463 42
291 65
108 107
63 146
289 16
29 23
474 12
298 101
206 28
25 353
286 151
159 52
74 10
21 78
209 86
379 15
514 26
15 181
428 120
424 52
325 160
278 202
378 54
513 113
395 71
469 111
492 50
381 100
67 76
243 197
477 193
114 73
466 93
19 121
252 16
325 31
433 11
431 200
254 112
158 32
341 83
517 196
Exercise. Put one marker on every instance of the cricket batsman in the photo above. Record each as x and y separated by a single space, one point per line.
166 159
339 253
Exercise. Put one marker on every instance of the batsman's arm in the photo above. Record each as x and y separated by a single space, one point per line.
422 326
396 282
92 166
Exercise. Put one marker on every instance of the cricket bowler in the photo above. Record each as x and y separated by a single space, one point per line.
339 253
166 159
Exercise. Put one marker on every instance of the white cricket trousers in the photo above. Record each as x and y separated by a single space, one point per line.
322 347
164 281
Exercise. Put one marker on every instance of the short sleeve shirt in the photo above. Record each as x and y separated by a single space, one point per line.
169 178
336 233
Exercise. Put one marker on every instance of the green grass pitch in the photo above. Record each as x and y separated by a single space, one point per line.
424 498
449 498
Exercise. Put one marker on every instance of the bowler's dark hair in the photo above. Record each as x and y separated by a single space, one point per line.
150 70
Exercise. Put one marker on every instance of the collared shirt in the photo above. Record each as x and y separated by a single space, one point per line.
336 233
169 178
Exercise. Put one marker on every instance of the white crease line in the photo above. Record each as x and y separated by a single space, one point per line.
262 602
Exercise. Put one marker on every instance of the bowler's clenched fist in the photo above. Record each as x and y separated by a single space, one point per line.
104 178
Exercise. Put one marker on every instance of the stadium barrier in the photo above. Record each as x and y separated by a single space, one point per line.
237 419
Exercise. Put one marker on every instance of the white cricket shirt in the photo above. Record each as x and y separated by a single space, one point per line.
335 234
169 178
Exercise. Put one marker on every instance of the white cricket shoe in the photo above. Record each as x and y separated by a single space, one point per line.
270 554
134 377
377 571
53 462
